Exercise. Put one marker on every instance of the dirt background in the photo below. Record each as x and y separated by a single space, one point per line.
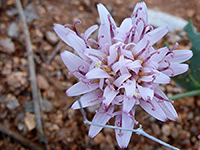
64 127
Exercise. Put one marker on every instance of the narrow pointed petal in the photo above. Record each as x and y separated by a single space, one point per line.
81 88
70 38
157 113
160 55
123 137
162 78
118 82
176 69
101 117
128 104
130 86
104 35
157 34
97 73
167 107
103 15
145 93
179 56
89 99
109 94
89 31
73 62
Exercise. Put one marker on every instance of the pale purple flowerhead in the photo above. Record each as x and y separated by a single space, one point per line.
124 71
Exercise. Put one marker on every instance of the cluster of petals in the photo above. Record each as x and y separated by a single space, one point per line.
122 71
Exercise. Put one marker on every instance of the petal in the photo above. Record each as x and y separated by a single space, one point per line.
89 31
123 69
112 54
157 57
162 78
123 137
70 38
157 113
104 35
141 10
179 56
124 29
89 99
109 95
73 62
157 34
130 86
134 65
145 93
118 82
128 104
167 107
81 88
101 117
103 14
97 73
176 69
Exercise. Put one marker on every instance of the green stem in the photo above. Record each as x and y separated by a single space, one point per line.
187 94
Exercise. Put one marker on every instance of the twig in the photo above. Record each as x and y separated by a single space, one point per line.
25 142
32 73
53 54
138 131
187 94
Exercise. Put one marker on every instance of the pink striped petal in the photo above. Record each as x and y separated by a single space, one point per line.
157 113
157 34
128 104
109 94
101 117
179 56
130 86
157 57
89 31
176 69
81 88
162 78
70 38
97 73
118 82
145 92
73 62
89 99
167 107
123 137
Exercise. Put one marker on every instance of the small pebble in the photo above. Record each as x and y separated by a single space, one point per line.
51 37
7 46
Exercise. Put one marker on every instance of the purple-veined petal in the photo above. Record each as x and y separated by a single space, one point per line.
157 57
141 10
134 65
129 87
101 117
103 15
123 69
176 69
162 78
118 82
109 94
97 73
73 62
112 54
123 137
70 38
179 56
128 104
89 31
154 109
89 99
157 34
81 88
167 107
124 29
145 92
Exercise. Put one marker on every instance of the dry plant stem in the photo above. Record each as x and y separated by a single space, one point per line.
20 139
138 131
57 49
31 65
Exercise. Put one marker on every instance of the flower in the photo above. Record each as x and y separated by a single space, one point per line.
123 71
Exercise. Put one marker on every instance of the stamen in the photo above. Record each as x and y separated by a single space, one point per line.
161 99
